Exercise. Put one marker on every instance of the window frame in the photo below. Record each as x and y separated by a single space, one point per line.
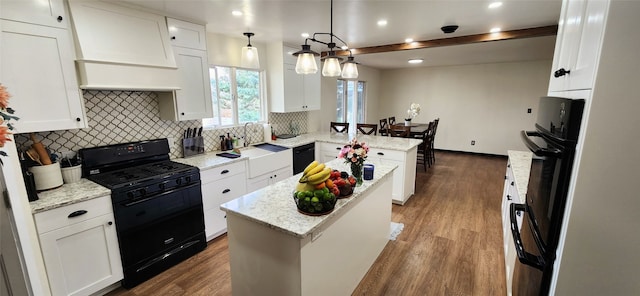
345 98
234 98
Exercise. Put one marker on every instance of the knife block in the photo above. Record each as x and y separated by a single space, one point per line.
192 146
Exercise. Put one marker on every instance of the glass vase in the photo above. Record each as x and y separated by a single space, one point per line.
357 171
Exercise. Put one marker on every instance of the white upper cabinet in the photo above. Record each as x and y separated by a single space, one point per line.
185 34
39 12
37 69
288 90
192 100
578 44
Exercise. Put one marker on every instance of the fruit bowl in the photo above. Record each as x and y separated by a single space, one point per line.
315 203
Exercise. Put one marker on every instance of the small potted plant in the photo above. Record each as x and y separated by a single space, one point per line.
412 112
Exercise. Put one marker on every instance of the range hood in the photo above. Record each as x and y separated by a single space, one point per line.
120 48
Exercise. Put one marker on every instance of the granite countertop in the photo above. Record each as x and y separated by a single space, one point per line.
274 206
520 166
68 194
209 160
382 142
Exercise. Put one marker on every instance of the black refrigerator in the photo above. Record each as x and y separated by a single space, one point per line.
553 144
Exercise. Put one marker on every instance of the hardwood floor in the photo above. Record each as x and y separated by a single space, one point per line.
451 243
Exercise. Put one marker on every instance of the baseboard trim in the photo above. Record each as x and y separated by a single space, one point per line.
472 153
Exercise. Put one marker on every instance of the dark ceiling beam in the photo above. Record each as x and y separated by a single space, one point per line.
460 40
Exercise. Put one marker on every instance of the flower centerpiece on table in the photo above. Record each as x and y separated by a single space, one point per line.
412 112
6 115
355 153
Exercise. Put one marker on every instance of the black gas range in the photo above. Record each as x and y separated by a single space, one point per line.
157 204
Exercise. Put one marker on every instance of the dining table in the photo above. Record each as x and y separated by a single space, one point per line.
417 130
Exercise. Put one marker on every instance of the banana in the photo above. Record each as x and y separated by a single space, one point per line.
310 167
320 177
316 170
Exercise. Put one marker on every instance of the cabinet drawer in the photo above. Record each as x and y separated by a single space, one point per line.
387 154
224 190
185 34
224 171
58 218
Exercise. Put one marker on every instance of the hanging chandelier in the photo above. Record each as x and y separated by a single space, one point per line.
249 58
306 63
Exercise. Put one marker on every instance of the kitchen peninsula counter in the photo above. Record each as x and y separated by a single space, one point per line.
383 142
276 250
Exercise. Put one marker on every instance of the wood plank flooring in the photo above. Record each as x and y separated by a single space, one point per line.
451 243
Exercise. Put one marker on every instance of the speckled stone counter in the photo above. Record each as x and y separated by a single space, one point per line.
391 143
520 166
274 206
208 160
68 194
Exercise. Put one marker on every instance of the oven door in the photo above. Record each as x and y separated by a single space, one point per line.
529 269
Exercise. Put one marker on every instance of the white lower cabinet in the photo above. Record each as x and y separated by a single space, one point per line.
510 195
220 185
269 178
80 247
326 152
404 177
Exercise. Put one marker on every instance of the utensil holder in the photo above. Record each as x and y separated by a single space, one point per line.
192 146
71 174
47 176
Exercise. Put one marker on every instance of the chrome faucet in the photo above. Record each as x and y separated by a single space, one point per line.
246 138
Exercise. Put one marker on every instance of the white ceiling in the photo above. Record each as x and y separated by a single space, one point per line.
355 22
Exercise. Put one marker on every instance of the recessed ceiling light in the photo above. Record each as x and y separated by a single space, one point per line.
495 30
236 13
305 35
495 5
415 61
408 40
382 23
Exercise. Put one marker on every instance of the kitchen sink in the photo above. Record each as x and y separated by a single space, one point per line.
262 161
270 147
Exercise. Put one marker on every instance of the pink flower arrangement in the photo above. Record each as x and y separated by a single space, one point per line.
6 115
354 152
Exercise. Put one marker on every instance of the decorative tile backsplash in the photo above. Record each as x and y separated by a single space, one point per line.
128 116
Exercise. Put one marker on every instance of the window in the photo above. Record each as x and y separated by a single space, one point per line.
236 95
350 103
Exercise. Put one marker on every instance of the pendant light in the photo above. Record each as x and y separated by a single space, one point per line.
349 68
306 63
249 57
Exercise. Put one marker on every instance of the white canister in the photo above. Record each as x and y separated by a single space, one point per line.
71 174
47 176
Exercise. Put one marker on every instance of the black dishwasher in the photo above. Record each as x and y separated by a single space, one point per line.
303 156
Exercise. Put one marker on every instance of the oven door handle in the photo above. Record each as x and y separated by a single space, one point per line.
524 256
135 202
537 150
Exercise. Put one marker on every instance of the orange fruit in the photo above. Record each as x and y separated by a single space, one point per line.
329 183
320 186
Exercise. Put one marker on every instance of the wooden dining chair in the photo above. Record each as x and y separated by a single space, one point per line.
424 149
367 129
399 130
434 128
392 120
384 125
339 127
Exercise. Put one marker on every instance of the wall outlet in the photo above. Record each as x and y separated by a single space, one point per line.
172 142
529 110
473 142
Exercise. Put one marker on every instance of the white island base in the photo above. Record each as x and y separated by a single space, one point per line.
330 260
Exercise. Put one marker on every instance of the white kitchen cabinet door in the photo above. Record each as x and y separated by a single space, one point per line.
220 185
578 43
269 178
82 258
42 79
288 90
327 151
193 100
185 34
47 13
404 177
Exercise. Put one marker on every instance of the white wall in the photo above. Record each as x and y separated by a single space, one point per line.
486 102
319 120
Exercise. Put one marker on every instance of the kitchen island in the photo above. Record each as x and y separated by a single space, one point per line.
276 250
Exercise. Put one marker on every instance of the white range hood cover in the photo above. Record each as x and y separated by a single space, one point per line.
120 48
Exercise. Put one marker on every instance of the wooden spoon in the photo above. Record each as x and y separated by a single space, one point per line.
33 155
39 149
